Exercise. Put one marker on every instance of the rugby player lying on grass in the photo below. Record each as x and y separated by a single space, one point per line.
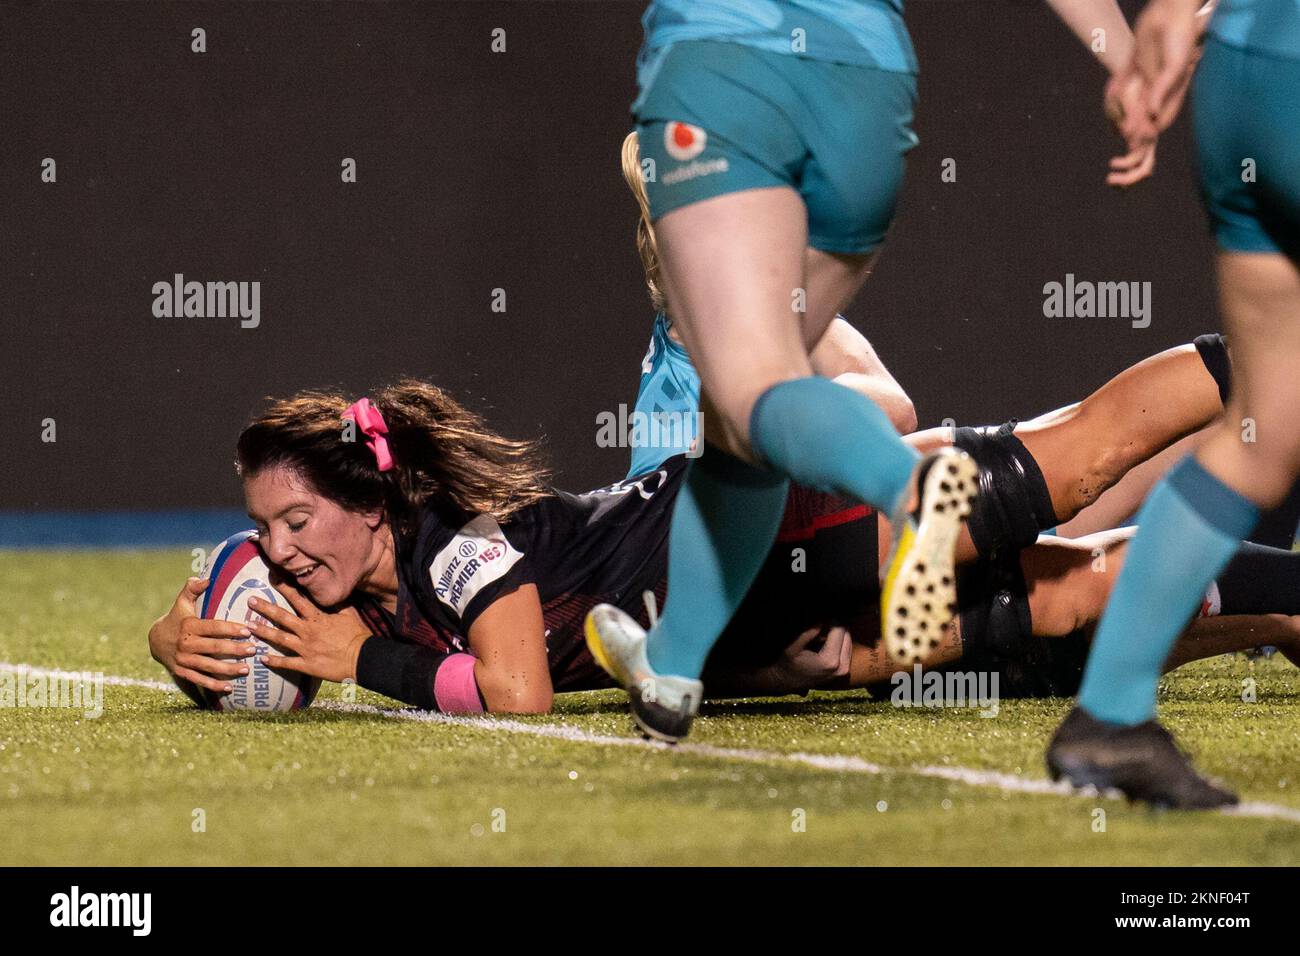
518 611
457 579
1028 602
1083 468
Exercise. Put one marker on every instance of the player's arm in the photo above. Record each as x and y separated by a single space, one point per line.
844 354
1113 46
498 609
507 671
1211 636
509 640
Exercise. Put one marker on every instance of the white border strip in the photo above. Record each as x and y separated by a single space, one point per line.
838 763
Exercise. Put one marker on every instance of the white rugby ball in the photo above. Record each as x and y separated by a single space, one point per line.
238 572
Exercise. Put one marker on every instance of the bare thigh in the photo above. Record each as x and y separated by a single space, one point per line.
749 297
1255 448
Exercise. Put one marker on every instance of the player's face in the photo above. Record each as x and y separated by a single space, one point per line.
324 548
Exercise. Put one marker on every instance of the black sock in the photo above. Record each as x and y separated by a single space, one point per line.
1261 580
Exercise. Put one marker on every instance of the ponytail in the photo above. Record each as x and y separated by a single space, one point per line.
444 457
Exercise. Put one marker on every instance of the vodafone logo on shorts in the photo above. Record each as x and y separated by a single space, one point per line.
684 141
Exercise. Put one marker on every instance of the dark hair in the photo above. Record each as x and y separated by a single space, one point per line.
445 457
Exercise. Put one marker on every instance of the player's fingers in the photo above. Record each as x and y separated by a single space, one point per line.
281 663
1137 127
200 627
1149 163
217 647
1130 159
275 637
285 620
209 665
803 640
830 652
1139 172
846 656
298 599
188 595
1125 106
203 680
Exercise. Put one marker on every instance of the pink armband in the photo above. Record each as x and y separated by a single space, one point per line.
454 687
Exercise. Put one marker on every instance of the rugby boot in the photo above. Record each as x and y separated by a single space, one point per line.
1141 761
663 705
918 593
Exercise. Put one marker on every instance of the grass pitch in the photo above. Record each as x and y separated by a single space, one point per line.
353 784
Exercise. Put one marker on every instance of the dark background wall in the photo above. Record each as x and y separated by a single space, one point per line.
479 171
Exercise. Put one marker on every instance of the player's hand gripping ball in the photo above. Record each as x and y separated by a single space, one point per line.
238 573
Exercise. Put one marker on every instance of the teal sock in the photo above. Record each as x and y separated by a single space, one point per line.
724 522
1188 530
834 439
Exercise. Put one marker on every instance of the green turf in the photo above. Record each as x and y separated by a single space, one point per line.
326 786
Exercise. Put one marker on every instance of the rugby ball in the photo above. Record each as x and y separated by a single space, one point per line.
237 572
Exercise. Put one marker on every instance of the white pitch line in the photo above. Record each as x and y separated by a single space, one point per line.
839 763
108 679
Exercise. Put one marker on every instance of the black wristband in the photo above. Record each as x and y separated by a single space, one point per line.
404 672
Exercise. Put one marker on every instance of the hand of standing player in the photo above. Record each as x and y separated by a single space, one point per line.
326 643
1144 97
206 653
1094 20
1166 49
1124 99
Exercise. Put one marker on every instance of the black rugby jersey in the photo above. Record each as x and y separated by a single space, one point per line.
604 546
611 546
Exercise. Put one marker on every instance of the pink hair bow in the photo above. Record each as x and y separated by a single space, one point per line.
373 426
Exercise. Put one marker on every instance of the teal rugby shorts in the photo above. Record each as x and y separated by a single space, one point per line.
1246 114
718 117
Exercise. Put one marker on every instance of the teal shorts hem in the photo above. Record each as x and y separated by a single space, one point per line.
845 247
